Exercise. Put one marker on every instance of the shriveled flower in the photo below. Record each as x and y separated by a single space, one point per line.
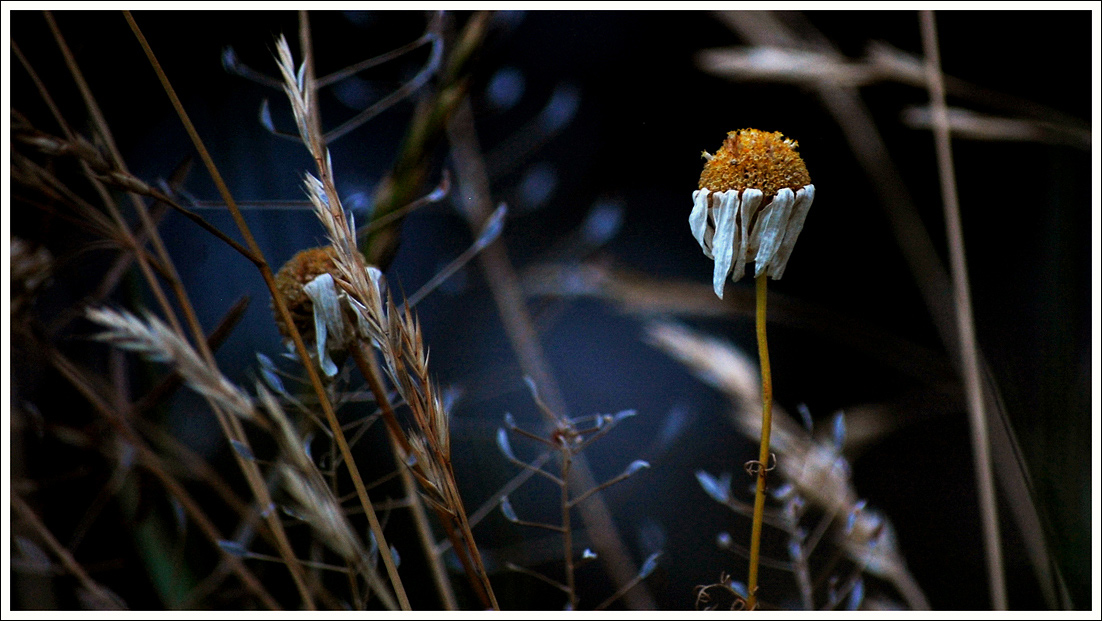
754 196
307 287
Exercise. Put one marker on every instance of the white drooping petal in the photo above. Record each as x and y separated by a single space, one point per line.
752 220
795 224
328 321
709 232
698 218
771 229
750 201
723 244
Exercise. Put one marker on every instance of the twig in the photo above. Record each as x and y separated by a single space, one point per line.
424 533
151 462
403 184
977 415
231 426
105 598
505 286
281 309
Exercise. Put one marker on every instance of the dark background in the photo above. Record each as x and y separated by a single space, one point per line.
644 112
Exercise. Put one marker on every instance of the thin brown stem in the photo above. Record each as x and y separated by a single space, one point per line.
969 351
109 203
424 532
231 428
151 462
474 187
284 314
172 381
369 368
104 598
567 533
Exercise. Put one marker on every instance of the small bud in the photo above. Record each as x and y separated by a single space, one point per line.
503 443
636 466
507 510
719 489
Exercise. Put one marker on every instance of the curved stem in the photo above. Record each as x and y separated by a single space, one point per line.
763 453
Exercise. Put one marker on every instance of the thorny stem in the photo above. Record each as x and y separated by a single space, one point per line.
969 352
763 453
281 309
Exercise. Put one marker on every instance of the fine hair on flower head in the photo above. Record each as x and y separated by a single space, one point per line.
753 198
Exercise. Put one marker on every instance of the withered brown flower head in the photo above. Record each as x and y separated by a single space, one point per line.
750 158
290 280
754 196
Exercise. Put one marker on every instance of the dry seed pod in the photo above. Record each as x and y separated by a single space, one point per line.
754 195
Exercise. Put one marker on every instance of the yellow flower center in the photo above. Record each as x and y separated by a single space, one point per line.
750 158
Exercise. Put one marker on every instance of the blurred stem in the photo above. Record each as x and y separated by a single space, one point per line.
98 594
567 534
405 181
969 350
300 348
474 189
763 453
369 368
424 531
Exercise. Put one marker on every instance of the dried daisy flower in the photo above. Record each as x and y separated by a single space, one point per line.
753 198
307 287
751 169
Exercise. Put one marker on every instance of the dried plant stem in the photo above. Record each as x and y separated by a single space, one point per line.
364 357
844 103
969 353
230 427
402 185
104 598
172 381
152 462
109 203
762 465
567 532
281 309
369 368
424 532
396 335
474 185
